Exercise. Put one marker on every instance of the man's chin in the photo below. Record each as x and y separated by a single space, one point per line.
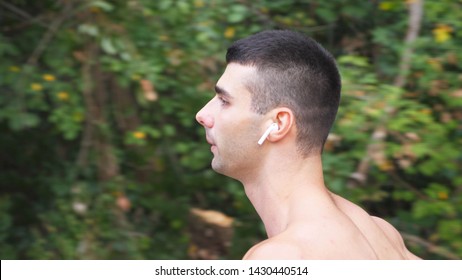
219 168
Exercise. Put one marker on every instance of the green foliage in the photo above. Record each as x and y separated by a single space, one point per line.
102 158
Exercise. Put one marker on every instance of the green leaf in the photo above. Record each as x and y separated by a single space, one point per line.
103 5
88 29
24 120
108 46
237 13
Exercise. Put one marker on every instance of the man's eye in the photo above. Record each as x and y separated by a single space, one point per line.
223 101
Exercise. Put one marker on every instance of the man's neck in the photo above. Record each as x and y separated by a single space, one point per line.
275 192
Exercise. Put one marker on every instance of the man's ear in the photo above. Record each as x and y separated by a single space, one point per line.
285 120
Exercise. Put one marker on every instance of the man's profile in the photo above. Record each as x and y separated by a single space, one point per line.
274 107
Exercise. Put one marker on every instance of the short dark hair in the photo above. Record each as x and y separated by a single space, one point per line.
293 70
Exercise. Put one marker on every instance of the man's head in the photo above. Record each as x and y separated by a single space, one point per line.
296 72
277 77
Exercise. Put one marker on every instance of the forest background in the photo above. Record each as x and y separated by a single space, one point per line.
101 156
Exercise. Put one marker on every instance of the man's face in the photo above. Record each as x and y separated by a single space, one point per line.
231 127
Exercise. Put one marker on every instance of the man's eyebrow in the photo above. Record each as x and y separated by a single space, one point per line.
221 91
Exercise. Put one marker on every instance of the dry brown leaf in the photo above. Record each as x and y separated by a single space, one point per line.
148 90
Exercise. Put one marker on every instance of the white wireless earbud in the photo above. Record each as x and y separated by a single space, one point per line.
272 127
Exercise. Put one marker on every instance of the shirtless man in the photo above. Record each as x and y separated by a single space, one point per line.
267 124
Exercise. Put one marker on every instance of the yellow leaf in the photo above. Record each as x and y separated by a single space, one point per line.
64 96
385 6
36 87
48 77
139 135
443 195
442 33
14 69
386 165
199 3
136 77
230 32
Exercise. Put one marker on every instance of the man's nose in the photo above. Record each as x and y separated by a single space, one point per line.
204 118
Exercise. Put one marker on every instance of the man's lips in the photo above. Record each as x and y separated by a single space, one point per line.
211 142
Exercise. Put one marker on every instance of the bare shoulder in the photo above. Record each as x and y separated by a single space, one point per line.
385 239
274 249
390 230
333 240
394 235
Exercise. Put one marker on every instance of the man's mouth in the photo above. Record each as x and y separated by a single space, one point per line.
211 143
209 140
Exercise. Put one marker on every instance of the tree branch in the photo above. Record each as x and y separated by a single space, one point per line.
379 134
415 18
87 142
52 29
15 10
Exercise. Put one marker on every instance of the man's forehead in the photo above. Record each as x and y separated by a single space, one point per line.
236 69
235 78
